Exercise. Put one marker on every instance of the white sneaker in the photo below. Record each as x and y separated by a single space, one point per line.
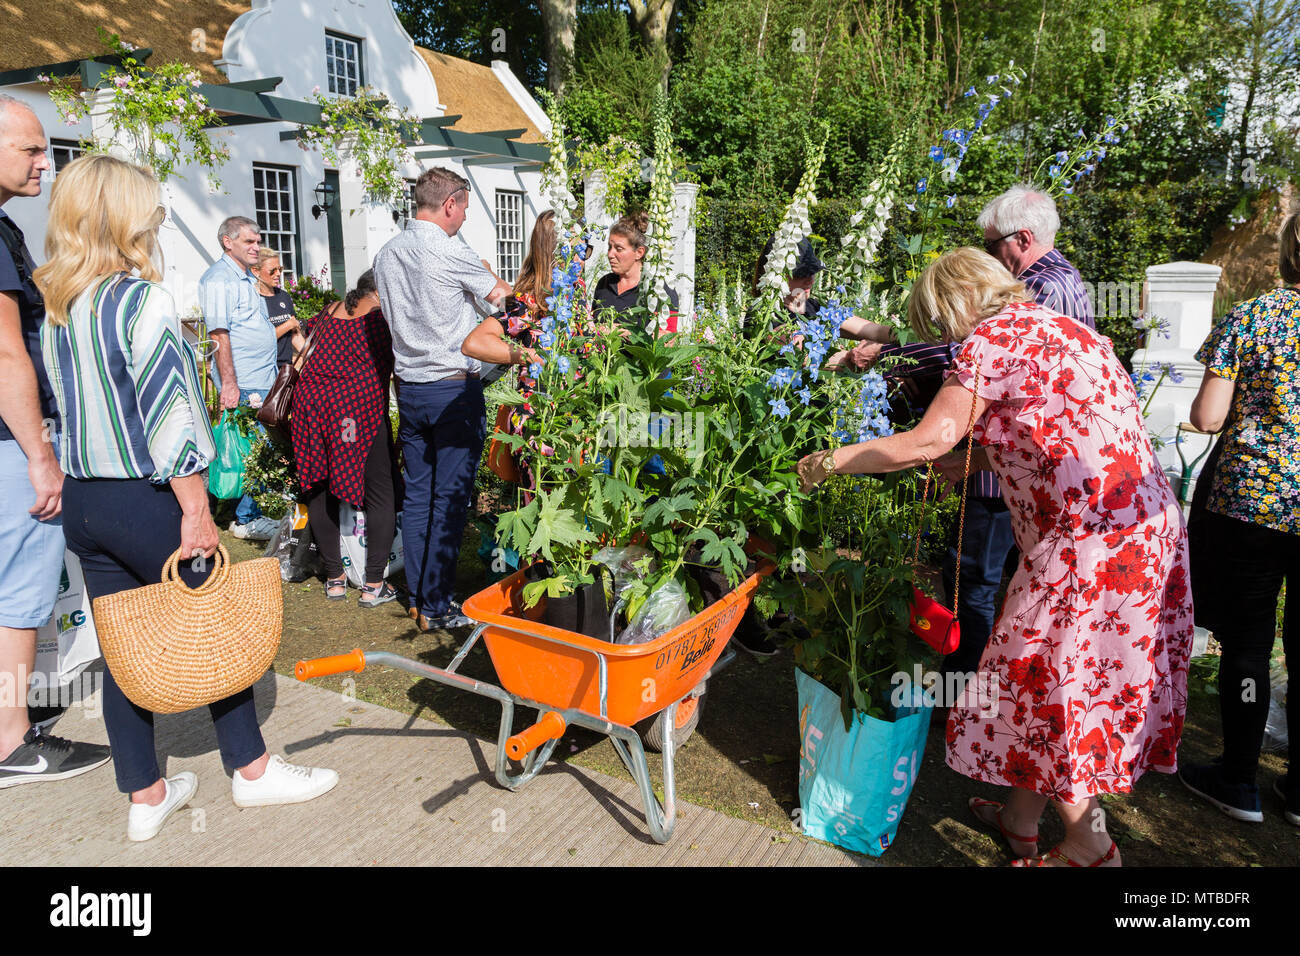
282 783
259 529
145 821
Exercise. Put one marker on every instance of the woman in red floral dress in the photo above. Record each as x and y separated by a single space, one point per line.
1091 646
342 441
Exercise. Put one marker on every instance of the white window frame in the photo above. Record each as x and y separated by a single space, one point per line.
509 207
341 53
408 210
277 197
72 147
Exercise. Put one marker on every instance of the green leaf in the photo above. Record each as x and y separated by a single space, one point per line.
557 585
555 526
665 511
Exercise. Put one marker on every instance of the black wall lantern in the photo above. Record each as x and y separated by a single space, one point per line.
324 193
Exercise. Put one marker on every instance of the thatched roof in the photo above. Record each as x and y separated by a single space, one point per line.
37 34
476 93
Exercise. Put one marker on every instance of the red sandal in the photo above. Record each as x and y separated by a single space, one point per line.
976 804
1056 854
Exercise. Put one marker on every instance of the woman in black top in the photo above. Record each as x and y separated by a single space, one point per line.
620 288
279 306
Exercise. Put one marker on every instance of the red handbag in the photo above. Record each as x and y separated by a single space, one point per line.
928 619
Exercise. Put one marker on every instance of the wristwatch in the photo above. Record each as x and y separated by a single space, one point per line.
827 463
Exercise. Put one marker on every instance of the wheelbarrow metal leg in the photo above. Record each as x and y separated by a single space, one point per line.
660 818
532 764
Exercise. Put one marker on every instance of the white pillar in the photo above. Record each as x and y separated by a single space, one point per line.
596 211
1183 294
357 213
682 268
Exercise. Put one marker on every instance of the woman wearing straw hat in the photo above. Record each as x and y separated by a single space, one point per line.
136 442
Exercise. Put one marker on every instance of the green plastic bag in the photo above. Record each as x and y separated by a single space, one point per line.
226 472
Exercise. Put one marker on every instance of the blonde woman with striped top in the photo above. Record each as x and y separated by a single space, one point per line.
136 443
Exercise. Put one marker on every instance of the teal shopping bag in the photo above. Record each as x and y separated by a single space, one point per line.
855 784
226 471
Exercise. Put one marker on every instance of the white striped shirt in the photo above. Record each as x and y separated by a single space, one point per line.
127 385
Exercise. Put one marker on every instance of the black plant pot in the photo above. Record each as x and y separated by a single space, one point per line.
585 611
714 587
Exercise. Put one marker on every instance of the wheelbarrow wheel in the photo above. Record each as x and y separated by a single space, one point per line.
688 717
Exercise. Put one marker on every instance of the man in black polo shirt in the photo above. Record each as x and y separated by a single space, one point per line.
31 482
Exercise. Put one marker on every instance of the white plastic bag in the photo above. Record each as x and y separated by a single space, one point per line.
622 563
352 531
68 642
665 608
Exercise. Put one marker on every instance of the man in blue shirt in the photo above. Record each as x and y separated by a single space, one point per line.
237 320
31 481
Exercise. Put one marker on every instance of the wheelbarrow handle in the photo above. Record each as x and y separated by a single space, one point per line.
324 666
550 727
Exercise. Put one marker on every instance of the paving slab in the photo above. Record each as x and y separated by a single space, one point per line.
412 792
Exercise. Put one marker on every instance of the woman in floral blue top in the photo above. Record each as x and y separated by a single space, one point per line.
1252 382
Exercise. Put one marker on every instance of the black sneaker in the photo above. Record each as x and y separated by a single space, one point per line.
1238 800
42 757
1291 799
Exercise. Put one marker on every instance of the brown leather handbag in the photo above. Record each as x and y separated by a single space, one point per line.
278 404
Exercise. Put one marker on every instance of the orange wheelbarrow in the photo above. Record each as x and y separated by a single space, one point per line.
572 679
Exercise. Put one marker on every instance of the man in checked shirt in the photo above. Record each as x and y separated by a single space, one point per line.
1020 232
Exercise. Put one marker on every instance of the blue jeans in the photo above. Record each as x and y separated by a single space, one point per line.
124 530
985 544
442 431
247 509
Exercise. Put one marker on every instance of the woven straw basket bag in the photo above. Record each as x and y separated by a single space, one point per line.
171 647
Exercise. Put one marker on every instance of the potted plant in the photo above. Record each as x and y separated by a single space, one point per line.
862 721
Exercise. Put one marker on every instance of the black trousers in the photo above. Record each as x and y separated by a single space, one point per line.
1254 561
381 516
124 530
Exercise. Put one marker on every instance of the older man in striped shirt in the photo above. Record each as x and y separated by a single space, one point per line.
1020 229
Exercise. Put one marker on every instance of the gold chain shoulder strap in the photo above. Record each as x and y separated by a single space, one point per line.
961 512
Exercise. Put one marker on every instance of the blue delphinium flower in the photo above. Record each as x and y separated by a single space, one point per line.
936 153
1169 370
563 365
779 408
950 201
1062 156
970 92
920 185
959 136
805 395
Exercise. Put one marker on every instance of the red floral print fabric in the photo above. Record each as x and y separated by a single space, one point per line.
1091 646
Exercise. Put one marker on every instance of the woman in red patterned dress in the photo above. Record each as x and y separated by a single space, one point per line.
342 441
1091 645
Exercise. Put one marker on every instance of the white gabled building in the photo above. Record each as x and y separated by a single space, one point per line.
259 64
